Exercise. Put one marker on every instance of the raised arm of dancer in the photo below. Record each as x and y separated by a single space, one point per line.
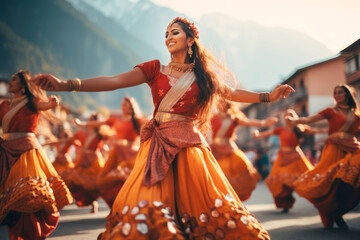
131 78
90 123
241 95
305 120
258 123
264 134
53 102
313 130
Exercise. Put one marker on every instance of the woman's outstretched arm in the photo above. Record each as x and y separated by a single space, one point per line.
241 95
131 78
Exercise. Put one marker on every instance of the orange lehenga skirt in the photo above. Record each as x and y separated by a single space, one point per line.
115 172
240 172
82 181
193 201
333 186
34 189
281 178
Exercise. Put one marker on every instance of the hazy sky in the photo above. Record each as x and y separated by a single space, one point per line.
335 23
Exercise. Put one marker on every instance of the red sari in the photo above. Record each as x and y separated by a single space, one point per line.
121 159
193 199
333 186
289 164
240 172
31 192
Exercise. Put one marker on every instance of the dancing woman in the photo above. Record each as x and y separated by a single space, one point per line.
290 162
240 172
177 188
333 186
89 161
122 156
31 191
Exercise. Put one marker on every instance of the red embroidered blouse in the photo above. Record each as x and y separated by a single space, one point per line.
161 83
24 120
336 121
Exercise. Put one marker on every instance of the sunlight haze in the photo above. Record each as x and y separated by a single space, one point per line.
334 23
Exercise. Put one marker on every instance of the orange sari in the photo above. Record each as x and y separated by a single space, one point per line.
240 172
333 186
121 159
33 192
289 164
192 199
88 164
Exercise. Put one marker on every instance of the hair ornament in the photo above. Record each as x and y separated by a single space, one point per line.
187 22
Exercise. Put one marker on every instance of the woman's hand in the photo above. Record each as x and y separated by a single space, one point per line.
49 82
255 133
77 122
291 120
280 91
54 100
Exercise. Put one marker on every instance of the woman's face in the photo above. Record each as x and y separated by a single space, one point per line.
340 95
125 107
15 84
176 39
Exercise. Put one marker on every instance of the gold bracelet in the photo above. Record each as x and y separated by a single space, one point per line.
74 85
264 97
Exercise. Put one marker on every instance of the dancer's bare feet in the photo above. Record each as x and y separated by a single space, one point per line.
94 207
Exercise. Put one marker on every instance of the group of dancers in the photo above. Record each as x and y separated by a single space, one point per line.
162 178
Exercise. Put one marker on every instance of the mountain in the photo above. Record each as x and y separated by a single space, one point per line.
114 29
259 56
52 36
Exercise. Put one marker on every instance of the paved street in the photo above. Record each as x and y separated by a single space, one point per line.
301 223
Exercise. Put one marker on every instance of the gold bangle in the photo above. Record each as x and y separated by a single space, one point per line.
264 97
74 85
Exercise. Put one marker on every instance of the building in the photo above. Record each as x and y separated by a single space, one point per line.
314 85
351 56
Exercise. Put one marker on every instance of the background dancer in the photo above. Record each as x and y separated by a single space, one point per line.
290 162
31 191
240 172
82 179
176 182
123 148
333 186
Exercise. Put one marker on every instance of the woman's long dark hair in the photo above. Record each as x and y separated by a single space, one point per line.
206 78
24 77
34 92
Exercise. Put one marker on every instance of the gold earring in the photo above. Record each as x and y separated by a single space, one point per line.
23 90
190 51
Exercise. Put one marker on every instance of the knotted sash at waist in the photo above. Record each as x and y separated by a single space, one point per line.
168 139
346 141
12 148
